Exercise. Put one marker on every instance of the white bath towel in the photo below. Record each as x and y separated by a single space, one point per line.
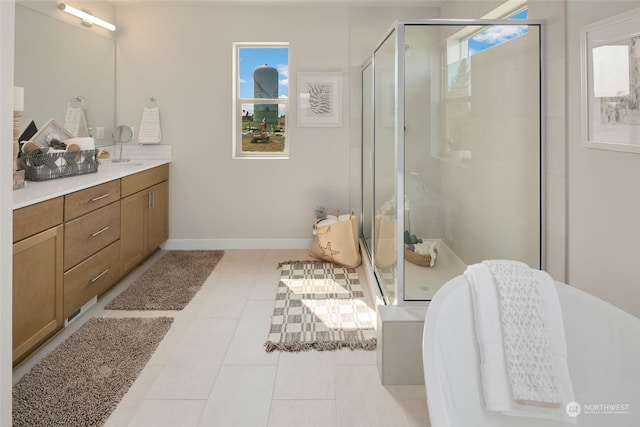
85 143
497 385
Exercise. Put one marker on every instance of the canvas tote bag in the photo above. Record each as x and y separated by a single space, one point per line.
337 242
385 244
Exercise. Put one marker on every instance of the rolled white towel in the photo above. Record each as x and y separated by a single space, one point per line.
85 143
332 219
427 248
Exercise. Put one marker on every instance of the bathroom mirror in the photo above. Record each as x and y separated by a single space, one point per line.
121 135
56 61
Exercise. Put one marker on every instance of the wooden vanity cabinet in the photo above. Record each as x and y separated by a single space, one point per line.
72 248
144 212
37 274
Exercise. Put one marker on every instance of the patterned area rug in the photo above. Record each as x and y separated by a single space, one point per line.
170 283
320 306
82 380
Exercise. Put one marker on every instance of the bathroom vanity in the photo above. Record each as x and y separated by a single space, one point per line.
74 238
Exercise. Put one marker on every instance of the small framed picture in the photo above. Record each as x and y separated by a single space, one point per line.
320 99
611 83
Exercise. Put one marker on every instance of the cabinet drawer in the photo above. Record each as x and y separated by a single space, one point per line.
92 277
145 179
33 219
90 199
90 233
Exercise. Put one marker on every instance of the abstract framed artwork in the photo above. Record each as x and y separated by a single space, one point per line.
319 99
610 51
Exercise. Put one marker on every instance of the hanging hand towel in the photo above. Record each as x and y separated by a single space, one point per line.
76 122
149 132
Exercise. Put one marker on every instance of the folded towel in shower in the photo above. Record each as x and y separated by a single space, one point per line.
514 382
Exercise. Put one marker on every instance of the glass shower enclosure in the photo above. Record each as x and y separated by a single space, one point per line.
452 152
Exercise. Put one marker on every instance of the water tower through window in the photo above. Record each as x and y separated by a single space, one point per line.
265 85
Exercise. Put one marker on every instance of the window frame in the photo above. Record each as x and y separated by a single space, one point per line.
238 102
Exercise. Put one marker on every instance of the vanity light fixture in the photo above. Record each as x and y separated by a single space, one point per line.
86 16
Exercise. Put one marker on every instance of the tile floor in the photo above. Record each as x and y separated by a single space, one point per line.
211 368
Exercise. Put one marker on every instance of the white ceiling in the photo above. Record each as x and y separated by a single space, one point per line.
368 3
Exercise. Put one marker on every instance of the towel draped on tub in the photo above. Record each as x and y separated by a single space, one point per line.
521 340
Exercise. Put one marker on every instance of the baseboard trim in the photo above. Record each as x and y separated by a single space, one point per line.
195 244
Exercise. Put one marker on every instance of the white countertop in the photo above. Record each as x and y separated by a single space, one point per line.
35 192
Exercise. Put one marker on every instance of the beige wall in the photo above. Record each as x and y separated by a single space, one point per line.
182 56
604 188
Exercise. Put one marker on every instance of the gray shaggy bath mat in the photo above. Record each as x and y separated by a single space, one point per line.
170 283
82 380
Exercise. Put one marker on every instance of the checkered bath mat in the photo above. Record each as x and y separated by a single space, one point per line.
320 306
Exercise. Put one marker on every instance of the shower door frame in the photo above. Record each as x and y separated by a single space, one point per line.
399 27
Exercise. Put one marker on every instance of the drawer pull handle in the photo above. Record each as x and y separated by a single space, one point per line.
95 199
99 276
102 230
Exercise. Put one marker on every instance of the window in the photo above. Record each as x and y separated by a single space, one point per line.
261 100
493 36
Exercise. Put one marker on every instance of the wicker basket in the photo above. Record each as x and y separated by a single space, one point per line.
40 166
418 259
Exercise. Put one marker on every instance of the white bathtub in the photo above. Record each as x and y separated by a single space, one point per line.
603 344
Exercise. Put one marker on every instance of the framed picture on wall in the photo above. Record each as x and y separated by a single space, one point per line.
610 52
320 99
